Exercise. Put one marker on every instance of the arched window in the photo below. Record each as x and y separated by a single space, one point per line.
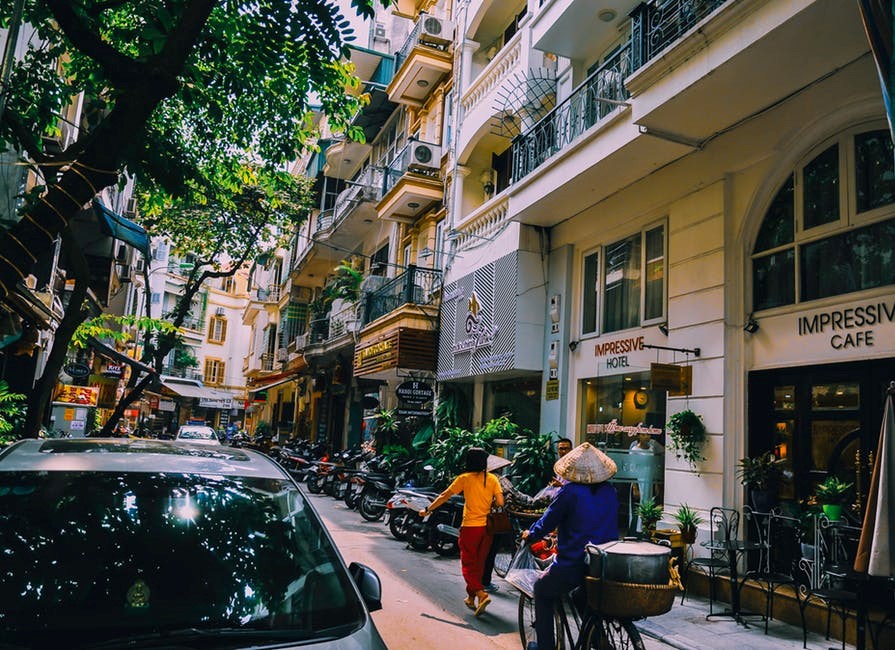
830 229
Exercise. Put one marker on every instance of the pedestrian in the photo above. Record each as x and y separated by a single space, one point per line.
585 511
480 490
122 430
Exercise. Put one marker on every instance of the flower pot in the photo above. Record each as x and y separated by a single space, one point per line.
688 534
833 511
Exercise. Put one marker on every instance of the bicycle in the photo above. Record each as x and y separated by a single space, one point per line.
509 542
579 627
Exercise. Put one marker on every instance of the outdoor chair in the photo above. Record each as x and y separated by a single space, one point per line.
839 544
724 525
777 566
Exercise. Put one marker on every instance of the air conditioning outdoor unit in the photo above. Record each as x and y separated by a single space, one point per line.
301 341
130 210
218 311
281 354
424 156
124 275
139 265
379 30
121 252
438 31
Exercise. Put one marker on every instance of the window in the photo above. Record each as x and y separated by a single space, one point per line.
591 284
155 298
161 251
406 261
214 371
217 329
227 284
438 256
838 238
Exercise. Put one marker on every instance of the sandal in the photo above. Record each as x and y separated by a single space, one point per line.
483 603
469 602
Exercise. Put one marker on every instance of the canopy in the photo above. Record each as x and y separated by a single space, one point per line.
188 389
122 228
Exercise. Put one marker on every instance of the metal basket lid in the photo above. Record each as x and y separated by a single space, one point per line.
628 547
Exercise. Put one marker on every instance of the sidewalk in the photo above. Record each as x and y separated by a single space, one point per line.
685 627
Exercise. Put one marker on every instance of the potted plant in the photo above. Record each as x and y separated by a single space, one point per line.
687 434
687 520
650 513
807 517
831 494
761 475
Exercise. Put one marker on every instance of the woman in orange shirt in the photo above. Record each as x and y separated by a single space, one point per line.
480 490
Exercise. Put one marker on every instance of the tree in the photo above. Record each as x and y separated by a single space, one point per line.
181 93
222 234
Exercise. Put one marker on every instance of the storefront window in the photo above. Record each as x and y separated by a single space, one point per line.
518 400
853 259
625 418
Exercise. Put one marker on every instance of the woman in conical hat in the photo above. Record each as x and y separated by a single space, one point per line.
585 511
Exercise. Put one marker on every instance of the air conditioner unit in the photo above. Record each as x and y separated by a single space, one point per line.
130 210
218 311
379 30
424 156
139 265
438 31
281 354
121 252
124 275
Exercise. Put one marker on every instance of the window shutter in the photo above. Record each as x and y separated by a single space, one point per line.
209 369
221 375
223 335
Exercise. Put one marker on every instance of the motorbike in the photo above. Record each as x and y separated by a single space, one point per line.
403 507
378 490
440 530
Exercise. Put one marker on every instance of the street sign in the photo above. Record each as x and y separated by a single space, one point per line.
77 370
415 392
410 412
552 390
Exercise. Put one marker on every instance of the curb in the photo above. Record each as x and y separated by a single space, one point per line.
662 634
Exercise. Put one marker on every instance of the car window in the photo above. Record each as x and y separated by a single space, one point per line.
101 555
197 434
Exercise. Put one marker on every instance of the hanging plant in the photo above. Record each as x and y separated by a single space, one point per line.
686 431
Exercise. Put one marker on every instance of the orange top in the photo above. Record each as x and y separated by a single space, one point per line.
478 493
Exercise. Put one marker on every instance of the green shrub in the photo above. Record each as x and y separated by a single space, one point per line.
533 461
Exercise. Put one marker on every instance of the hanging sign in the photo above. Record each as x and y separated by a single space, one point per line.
677 380
85 395
77 370
415 392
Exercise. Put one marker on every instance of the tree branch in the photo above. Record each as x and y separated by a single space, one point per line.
120 68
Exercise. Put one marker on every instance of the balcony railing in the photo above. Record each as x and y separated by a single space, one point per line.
592 101
193 323
334 325
655 25
269 294
267 360
368 187
185 373
415 286
400 164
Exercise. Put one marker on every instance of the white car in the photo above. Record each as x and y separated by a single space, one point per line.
199 434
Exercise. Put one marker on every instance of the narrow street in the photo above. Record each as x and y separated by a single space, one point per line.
422 592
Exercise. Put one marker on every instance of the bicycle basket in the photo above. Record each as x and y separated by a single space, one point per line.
629 599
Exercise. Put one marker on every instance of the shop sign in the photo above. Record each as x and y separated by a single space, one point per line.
552 390
166 405
216 402
414 412
113 370
77 370
85 395
614 427
415 392
153 402
677 380
849 327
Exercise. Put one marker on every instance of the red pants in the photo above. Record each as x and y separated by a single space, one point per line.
475 543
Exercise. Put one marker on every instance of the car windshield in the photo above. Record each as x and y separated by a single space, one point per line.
93 556
197 434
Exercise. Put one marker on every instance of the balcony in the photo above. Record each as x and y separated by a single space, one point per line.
269 294
423 61
598 97
576 29
194 323
185 373
411 183
333 330
354 209
416 286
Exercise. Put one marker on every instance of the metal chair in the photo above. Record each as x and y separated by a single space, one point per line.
839 544
724 525
779 554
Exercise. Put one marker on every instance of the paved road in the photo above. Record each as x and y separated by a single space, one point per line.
422 593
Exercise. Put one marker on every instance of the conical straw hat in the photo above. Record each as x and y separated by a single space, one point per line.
496 462
585 464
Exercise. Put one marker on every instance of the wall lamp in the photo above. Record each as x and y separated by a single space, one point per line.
664 328
573 345
751 325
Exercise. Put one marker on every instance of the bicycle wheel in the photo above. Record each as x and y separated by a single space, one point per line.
527 624
604 633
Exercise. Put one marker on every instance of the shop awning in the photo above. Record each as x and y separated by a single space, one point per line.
271 384
187 389
122 228
115 355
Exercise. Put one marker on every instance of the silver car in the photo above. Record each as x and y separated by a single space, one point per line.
197 433
111 543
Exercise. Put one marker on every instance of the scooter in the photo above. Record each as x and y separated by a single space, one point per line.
439 530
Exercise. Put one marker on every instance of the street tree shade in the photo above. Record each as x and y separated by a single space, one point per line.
183 94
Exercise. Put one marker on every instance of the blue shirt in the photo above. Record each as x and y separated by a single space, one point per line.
582 517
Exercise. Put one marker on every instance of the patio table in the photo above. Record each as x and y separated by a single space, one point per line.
734 548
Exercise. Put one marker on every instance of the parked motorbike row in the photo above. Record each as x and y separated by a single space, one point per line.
378 490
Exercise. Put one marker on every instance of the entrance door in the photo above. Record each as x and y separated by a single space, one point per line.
824 419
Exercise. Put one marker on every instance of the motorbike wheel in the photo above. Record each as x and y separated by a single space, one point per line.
328 485
369 511
314 486
397 525
350 497
443 544
418 536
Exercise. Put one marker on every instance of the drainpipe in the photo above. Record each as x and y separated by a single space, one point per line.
12 40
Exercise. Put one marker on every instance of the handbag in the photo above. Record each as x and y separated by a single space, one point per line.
498 521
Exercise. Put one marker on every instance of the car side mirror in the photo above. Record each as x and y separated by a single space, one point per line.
368 584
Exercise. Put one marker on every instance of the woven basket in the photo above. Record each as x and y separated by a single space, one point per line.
629 600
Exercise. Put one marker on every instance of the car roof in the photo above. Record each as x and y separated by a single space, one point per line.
135 455
190 427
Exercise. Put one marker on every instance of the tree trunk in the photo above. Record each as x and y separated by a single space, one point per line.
74 316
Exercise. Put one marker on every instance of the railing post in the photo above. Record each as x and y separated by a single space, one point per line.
638 35
409 283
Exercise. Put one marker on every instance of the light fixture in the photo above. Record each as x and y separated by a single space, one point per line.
573 345
368 220
426 253
487 180
607 15
751 325
413 205
347 161
422 83
664 328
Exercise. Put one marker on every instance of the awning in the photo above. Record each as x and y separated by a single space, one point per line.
115 355
208 397
372 117
122 228
255 389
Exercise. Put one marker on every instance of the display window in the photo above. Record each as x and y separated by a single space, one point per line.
624 417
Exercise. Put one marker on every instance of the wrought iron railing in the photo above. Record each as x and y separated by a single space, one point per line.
592 101
334 325
367 187
417 286
193 323
400 164
267 360
185 373
655 25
